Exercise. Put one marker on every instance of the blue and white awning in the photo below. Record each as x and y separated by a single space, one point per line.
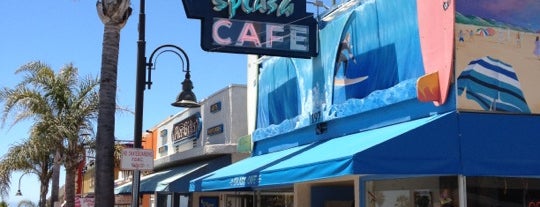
470 144
388 150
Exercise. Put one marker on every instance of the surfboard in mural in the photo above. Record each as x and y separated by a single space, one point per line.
436 27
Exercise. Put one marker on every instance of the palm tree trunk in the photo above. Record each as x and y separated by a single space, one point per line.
44 188
71 173
44 179
55 179
104 195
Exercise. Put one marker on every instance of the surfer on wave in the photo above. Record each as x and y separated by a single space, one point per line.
344 54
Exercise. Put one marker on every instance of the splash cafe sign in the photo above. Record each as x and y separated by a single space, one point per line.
263 27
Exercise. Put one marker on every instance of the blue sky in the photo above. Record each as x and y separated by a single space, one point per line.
69 31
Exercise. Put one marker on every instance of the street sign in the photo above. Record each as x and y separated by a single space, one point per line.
137 159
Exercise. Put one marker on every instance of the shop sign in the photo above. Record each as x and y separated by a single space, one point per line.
187 128
263 27
259 35
242 181
215 130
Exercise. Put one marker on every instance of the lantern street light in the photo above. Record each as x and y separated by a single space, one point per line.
186 98
19 193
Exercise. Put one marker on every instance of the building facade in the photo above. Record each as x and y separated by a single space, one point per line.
408 103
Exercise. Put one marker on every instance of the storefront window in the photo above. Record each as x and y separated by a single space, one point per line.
239 201
276 199
260 199
163 200
168 199
413 192
503 191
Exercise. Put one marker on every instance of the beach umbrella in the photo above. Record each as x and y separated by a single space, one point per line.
485 31
481 32
490 31
493 84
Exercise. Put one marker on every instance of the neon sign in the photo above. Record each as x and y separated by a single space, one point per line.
534 204
285 7
236 33
262 27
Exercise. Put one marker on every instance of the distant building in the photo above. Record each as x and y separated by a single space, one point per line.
190 144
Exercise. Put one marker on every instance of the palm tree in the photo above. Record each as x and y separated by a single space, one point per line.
81 112
114 15
30 103
34 156
64 107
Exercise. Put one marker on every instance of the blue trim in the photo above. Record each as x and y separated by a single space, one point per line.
396 113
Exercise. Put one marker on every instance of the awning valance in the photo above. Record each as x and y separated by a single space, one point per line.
420 146
500 144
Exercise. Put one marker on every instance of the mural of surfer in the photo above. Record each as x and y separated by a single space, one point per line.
372 54
345 54
366 53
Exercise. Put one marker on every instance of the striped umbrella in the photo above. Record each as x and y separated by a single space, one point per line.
485 31
493 84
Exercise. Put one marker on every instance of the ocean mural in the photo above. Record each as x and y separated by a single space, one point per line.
370 57
497 66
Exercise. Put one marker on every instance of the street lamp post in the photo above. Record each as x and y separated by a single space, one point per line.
19 193
185 99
